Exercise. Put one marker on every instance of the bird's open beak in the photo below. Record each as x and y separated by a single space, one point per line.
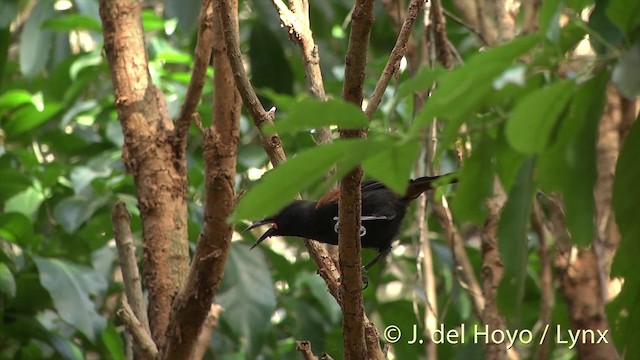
267 233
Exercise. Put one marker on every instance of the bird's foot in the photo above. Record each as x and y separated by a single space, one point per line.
365 279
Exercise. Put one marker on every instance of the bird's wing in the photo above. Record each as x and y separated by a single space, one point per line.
334 194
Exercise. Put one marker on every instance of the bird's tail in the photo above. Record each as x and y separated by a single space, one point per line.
419 185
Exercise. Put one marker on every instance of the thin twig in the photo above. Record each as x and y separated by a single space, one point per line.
208 327
198 73
546 285
128 262
137 331
393 64
271 143
296 20
304 348
462 23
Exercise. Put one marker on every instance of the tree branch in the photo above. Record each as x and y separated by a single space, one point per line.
492 271
304 348
271 143
393 64
149 156
193 304
350 201
140 336
128 262
297 22
202 56
546 278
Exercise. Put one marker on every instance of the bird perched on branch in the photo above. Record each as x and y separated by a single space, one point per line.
382 213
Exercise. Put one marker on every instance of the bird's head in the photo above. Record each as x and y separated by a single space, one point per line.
289 221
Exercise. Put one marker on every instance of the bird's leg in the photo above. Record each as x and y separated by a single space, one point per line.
381 254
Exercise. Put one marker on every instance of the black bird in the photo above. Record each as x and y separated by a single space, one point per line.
382 214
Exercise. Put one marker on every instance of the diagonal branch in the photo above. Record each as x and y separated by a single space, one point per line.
129 265
202 56
393 64
271 143
297 21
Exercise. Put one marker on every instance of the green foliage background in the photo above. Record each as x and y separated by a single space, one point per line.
60 172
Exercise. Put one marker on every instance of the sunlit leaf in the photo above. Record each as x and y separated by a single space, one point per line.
311 113
533 118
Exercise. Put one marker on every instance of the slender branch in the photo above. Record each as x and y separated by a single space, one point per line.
128 263
428 277
440 39
350 202
393 64
297 22
461 259
304 347
492 271
462 23
193 304
137 331
202 55
209 326
546 279
271 143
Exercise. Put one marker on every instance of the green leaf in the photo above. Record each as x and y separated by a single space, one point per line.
461 92
7 281
16 228
29 117
74 211
625 14
512 241
26 202
113 342
70 287
625 73
13 98
247 295
534 117
277 187
311 113
393 165
475 183
610 36
624 311
72 22
36 43
13 182
550 12
568 164
423 80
